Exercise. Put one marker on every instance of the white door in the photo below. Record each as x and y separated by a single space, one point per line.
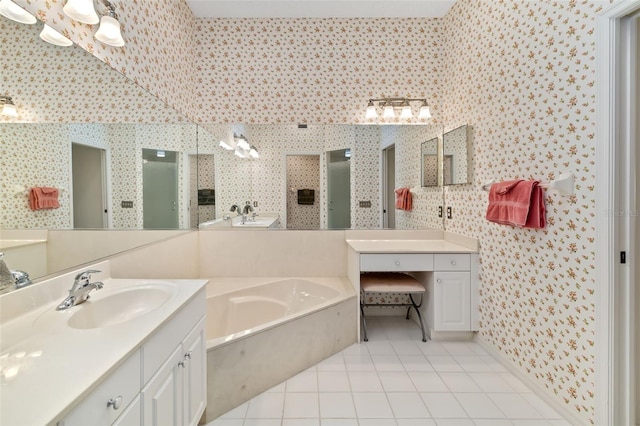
89 187
389 187
452 301
160 209
339 189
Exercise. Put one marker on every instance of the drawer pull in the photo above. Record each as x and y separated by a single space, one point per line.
115 402
397 263
438 280
453 262
187 355
182 364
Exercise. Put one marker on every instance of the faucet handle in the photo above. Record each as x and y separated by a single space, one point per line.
84 277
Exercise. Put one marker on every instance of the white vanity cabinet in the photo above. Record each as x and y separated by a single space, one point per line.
162 383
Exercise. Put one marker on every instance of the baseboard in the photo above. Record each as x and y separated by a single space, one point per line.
568 414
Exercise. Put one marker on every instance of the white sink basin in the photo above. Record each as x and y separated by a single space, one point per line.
119 306
257 222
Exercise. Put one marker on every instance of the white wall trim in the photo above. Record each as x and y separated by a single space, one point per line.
612 395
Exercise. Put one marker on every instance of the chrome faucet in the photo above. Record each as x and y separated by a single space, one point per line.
11 279
235 208
247 208
80 290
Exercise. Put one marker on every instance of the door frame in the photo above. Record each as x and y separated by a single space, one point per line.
384 187
107 217
614 363
283 217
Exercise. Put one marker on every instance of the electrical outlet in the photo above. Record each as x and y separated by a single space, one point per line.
439 211
449 214
126 204
365 204
255 204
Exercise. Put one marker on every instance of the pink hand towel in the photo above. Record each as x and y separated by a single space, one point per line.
517 203
403 199
43 198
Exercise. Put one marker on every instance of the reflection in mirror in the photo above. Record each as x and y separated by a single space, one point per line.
75 115
263 181
430 163
338 189
455 161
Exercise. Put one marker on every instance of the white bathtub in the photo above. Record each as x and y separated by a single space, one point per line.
262 331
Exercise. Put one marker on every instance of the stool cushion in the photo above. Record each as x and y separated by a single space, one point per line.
390 282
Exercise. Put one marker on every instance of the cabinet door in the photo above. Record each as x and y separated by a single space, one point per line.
162 396
452 301
132 416
195 374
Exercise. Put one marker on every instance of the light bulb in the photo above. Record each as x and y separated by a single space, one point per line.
50 35
388 112
253 152
225 145
8 109
371 111
424 111
406 112
12 11
239 153
109 32
81 11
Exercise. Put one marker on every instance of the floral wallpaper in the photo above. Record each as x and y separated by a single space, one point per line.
303 172
522 74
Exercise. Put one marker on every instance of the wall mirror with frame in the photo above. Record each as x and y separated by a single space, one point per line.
456 151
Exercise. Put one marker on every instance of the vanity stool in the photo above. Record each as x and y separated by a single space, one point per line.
391 282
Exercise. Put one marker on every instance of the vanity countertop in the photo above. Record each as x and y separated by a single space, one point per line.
408 246
46 366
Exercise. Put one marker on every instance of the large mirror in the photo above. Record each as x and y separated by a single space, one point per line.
430 156
455 158
318 176
122 162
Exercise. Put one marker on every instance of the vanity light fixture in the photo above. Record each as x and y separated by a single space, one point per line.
52 36
8 107
242 143
389 106
240 147
225 145
12 11
84 11
253 152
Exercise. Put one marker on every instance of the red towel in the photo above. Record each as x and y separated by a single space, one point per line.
403 199
43 198
518 203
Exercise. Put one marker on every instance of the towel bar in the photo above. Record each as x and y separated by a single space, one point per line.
564 184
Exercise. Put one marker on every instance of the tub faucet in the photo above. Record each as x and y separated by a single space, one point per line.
80 290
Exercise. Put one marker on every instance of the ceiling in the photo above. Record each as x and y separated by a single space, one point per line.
320 8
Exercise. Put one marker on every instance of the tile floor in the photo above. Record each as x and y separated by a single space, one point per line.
397 380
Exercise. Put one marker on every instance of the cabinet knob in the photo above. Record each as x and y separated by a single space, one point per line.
182 364
397 263
453 262
187 355
115 402
438 280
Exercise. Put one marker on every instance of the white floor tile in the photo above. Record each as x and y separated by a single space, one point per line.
407 348
454 422
372 405
444 363
491 382
365 382
338 422
407 405
433 348
301 406
356 349
477 349
416 422
300 422
492 422
479 406
337 405
514 382
472 363
542 407
303 382
377 422
395 381
333 363
379 347
514 406
459 382
494 364
443 405
333 381
415 363
278 388
530 422
266 406
428 382
387 362
458 348
360 362
262 422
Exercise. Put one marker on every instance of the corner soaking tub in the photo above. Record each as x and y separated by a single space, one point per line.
262 331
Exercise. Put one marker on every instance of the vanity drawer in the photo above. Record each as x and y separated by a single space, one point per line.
121 386
452 262
391 262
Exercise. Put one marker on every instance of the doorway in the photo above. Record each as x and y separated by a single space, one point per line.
159 189
88 171
303 189
389 187
339 189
